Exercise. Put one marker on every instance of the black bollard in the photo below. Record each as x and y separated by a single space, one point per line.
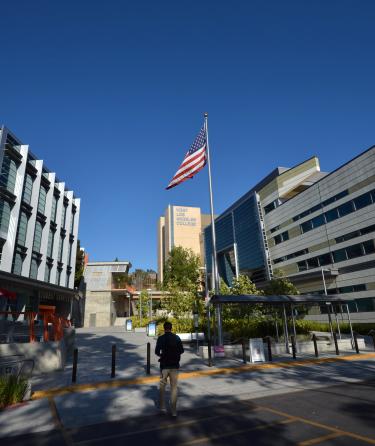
75 362
148 365
244 351
113 371
293 346
209 353
356 342
336 344
268 339
315 345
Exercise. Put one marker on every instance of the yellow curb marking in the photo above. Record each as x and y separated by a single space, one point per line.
320 425
237 432
319 439
58 424
197 374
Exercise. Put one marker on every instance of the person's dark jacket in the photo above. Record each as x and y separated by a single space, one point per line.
169 348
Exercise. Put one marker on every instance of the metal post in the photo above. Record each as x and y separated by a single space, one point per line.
75 363
214 264
268 338
113 371
209 352
350 324
330 319
294 326
196 323
286 335
315 345
336 345
148 365
337 321
356 343
140 308
277 330
293 346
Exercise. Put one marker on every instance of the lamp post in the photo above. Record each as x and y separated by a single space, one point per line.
327 303
149 291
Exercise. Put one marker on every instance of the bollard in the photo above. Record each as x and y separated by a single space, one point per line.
244 351
293 346
336 345
75 362
113 371
356 342
209 353
268 339
148 365
315 345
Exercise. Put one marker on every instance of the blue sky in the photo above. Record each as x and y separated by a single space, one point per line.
111 95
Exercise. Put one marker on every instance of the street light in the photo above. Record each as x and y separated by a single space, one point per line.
327 303
149 291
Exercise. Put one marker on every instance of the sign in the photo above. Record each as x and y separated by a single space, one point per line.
219 351
129 325
256 350
151 329
183 218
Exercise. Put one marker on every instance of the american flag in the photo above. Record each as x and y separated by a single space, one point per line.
194 160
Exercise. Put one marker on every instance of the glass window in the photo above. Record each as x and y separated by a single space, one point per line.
313 262
373 196
342 194
366 304
331 215
34 268
61 246
42 199
307 226
346 208
328 201
8 173
54 208
22 229
354 251
50 243
17 263
27 188
63 219
302 266
278 239
318 221
360 287
368 246
4 215
339 255
325 259
367 230
285 236
270 207
37 236
362 201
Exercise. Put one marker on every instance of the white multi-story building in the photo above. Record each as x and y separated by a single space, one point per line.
39 220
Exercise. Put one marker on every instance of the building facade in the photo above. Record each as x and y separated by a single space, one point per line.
180 226
39 219
107 293
317 229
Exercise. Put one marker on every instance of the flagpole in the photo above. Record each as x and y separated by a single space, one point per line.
214 266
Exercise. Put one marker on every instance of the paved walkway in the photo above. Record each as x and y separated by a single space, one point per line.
199 386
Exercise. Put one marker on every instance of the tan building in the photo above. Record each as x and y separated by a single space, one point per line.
180 226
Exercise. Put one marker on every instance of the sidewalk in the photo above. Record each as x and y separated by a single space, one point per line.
195 389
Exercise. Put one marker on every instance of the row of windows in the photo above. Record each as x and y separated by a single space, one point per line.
344 289
8 173
345 209
336 197
341 238
339 255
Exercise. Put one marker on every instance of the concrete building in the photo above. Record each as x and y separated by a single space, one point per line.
316 228
180 226
39 218
107 293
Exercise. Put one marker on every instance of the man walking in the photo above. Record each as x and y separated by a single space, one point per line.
169 348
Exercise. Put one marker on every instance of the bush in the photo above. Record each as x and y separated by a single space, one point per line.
12 390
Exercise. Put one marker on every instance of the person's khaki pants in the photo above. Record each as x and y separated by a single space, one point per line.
173 377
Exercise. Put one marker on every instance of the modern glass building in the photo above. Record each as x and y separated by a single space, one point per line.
39 218
316 228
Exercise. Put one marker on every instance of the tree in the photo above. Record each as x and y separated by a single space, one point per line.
80 264
182 269
280 285
144 303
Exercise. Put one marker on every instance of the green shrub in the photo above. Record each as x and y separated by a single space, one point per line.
12 390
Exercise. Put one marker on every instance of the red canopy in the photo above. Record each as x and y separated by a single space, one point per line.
8 294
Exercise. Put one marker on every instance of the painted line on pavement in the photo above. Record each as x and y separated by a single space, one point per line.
39 394
58 424
317 440
320 425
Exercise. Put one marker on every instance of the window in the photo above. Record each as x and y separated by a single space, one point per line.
312 263
325 259
346 208
58 276
302 265
362 201
283 237
318 221
367 230
4 215
354 251
50 243
339 255
37 236
61 246
22 229
276 228
368 247
67 280
270 207
70 254
17 263
47 272
8 173
373 195
72 222
307 226
42 199
34 268
54 208
331 215
27 188
63 218
360 287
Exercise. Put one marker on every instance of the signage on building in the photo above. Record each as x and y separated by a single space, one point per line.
183 219
129 325
256 350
